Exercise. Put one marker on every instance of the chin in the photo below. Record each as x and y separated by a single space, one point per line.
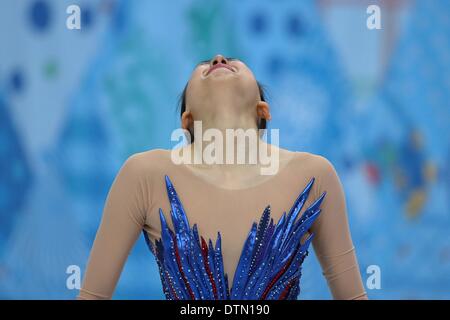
222 76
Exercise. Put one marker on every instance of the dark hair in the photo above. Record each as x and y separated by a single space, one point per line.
182 103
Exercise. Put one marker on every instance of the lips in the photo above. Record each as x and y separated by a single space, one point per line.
217 66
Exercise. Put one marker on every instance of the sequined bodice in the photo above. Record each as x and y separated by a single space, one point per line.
269 266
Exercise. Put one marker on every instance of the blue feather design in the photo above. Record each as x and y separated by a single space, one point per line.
269 266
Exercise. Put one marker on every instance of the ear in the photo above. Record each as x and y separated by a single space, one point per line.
187 120
263 110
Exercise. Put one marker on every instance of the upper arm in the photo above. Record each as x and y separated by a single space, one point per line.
332 242
122 221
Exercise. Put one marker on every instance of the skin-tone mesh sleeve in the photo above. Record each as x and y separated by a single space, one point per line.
332 242
122 222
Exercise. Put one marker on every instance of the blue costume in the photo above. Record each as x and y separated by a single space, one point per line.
269 266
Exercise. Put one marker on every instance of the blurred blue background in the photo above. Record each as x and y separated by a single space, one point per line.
74 104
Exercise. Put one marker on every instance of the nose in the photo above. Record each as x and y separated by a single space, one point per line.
218 59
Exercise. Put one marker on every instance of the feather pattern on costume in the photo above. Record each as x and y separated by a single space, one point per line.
269 266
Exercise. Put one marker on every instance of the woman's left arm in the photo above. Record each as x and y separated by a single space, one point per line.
332 241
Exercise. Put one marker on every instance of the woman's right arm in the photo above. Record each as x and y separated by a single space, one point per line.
122 221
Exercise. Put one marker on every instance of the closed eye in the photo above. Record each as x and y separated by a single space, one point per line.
203 62
208 61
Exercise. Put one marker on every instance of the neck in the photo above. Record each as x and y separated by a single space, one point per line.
227 136
226 127
260 158
228 114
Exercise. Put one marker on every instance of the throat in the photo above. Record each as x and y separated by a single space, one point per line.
236 157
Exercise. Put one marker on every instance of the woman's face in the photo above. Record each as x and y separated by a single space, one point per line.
218 82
